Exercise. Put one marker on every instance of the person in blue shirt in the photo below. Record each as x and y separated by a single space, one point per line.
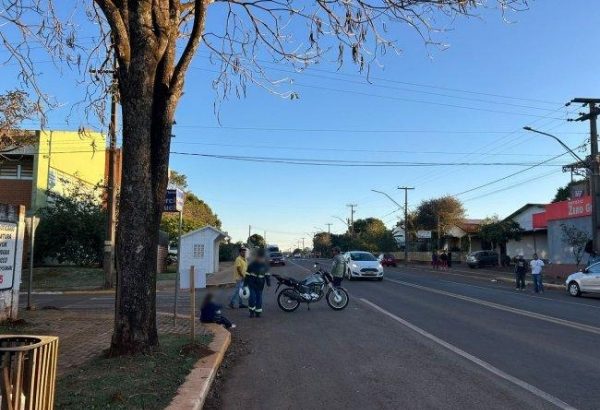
210 312
256 277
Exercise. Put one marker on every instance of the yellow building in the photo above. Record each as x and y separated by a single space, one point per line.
53 161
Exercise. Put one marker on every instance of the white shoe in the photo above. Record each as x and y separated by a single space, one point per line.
233 326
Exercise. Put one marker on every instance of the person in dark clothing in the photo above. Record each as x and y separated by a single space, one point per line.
434 260
520 271
449 261
444 260
210 312
258 274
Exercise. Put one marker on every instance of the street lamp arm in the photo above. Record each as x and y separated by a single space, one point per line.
389 197
338 218
565 146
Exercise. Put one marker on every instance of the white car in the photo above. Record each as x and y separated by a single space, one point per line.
362 265
586 281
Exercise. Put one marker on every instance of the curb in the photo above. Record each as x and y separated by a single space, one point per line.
192 393
72 292
220 285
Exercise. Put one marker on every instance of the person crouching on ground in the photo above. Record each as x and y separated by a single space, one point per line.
256 277
520 271
239 271
210 312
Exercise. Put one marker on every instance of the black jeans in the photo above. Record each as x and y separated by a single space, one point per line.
337 281
520 280
221 320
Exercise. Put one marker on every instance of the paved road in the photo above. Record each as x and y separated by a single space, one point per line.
418 339
421 340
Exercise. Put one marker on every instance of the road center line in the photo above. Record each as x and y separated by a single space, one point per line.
539 316
473 359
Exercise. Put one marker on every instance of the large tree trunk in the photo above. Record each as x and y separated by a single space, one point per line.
147 121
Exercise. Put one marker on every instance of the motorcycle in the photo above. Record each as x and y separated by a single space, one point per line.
310 290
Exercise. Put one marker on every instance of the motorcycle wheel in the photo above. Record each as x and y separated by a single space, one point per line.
342 303
286 303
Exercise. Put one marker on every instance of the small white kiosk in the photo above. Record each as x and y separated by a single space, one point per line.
200 249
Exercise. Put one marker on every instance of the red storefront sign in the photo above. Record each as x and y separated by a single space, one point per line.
575 208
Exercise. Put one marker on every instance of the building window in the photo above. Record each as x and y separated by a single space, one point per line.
17 167
198 251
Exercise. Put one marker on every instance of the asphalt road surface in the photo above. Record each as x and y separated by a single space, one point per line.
417 340
420 340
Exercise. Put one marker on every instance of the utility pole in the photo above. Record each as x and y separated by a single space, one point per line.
265 237
302 244
351 224
406 236
329 228
111 205
594 165
249 232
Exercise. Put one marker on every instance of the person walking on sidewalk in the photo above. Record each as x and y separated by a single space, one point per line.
240 266
256 277
536 265
444 260
434 260
520 271
338 267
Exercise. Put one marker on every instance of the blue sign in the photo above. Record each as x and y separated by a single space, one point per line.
174 200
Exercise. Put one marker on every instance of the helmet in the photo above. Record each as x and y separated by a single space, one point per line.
245 292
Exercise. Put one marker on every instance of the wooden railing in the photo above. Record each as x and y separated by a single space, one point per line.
27 372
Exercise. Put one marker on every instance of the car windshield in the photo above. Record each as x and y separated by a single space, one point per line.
362 256
275 255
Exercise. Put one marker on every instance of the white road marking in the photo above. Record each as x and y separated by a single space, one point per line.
539 316
473 359
499 288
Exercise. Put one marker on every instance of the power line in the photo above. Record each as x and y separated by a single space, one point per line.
510 175
516 185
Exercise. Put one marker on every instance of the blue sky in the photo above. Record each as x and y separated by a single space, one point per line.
544 57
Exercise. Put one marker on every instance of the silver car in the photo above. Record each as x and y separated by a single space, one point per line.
362 265
586 281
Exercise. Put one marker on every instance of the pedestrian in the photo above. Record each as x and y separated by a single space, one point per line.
536 265
434 260
338 267
240 266
444 260
449 259
210 312
255 279
520 271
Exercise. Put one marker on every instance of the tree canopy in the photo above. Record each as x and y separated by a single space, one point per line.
498 232
72 229
446 211
564 193
196 214
257 241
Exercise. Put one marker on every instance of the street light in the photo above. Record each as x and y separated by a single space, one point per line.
565 146
388 197
592 167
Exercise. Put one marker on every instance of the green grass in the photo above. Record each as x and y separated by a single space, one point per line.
64 278
130 382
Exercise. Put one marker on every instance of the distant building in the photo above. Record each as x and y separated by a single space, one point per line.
56 161
534 239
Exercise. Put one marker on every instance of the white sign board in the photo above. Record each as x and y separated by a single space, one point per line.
424 234
8 254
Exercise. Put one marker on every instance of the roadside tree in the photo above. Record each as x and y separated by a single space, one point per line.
576 239
154 43
438 215
498 232
257 241
15 107
72 229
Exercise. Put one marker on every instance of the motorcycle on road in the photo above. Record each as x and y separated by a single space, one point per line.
310 290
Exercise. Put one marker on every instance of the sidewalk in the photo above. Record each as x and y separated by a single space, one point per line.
83 335
222 278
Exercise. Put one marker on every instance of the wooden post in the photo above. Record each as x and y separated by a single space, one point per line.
192 304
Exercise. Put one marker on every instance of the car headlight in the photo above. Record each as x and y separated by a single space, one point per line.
354 266
380 267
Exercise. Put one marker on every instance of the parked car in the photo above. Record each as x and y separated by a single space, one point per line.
275 258
387 259
362 265
585 281
480 259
